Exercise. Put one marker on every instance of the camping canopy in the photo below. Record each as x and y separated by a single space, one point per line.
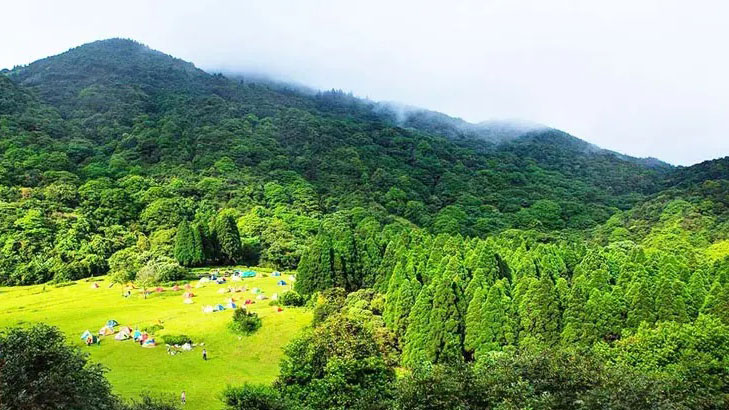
106 331
112 323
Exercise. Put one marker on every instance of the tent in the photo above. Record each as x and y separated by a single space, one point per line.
248 274
208 309
220 281
219 308
126 329
235 278
276 273
159 290
261 297
85 335
94 285
188 286
112 323
274 296
91 340
188 294
106 331
204 280
186 347
248 301
188 301
176 288
123 335
281 283
255 291
232 305
149 343
279 309
136 335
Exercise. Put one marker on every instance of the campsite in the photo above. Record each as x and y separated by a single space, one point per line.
232 359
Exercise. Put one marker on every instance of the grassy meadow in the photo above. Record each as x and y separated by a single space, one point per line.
232 359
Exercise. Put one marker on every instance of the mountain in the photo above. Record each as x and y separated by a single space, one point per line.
114 134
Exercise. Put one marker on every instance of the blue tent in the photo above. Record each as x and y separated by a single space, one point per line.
220 307
85 335
281 283
248 274
111 323
276 273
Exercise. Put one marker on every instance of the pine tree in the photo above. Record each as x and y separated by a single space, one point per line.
475 321
697 293
717 302
414 344
575 314
227 238
539 314
446 335
184 244
198 250
640 302
670 303
405 300
499 319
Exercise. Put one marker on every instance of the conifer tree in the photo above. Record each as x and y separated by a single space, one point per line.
539 314
640 302
499 319
227 238
697 293
474 321
198 250
405 300
446 335
184 244
414 344
670 303
717 302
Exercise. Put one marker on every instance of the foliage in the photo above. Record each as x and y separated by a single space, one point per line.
245 322
39 370
253 397
291 298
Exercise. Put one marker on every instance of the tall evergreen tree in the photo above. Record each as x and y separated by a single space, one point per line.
539 314
227 238
670 301
414 344
447 333
185 245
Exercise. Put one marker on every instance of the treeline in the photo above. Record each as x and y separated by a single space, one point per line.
88 166
449 298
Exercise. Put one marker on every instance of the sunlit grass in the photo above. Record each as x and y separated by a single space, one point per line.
232 360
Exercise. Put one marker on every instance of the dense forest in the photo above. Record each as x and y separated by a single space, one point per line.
475 258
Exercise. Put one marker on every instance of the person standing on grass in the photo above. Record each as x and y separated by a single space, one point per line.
205 354
183 398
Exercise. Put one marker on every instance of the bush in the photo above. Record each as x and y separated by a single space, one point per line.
147 402
252 397
152 329
38 370
176 339
245 322
291 298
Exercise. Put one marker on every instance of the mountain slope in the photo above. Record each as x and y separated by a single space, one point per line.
127 142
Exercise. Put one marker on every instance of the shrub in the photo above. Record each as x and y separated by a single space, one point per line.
291 298
252 397
245 322
152 329
176 339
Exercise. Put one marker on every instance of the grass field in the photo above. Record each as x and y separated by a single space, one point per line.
232 360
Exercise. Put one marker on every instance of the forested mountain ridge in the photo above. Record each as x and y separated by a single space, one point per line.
111 142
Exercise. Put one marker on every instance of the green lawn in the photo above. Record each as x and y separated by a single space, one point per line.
132 369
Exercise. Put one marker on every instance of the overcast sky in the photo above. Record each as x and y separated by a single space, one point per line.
646 78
